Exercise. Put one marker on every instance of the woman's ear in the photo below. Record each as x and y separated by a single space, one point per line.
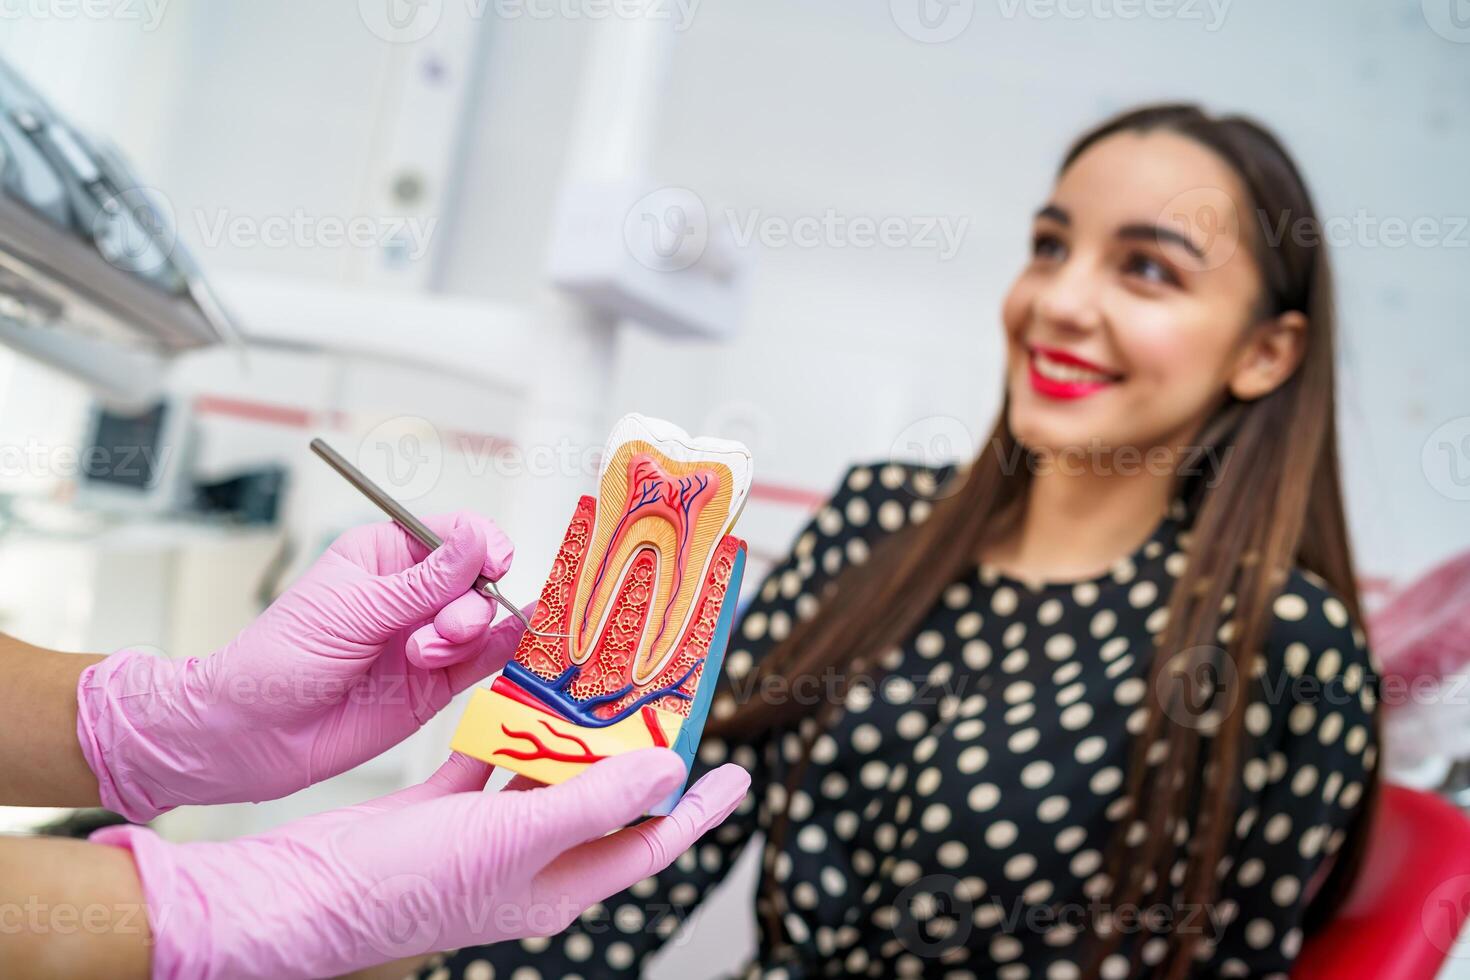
1272 352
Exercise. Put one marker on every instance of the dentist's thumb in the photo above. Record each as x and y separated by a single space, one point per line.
418 593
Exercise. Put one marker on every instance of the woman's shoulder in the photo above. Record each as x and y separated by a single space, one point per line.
1314 642
870 501
1308 610
864 487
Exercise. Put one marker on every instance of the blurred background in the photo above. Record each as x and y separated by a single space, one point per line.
459 238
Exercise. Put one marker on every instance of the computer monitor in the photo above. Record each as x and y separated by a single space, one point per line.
135 461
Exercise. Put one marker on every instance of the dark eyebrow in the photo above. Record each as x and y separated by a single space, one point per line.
1055 213
1149 233
1160 234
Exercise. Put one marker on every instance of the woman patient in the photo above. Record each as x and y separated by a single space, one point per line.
1095 702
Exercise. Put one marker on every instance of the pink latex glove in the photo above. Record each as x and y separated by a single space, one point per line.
354 657
436 866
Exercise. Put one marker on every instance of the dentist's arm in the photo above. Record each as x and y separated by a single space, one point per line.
41 762
438 865
372 640
71 909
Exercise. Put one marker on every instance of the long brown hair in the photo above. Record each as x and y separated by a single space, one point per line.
1275 502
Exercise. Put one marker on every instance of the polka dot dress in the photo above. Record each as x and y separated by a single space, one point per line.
954 819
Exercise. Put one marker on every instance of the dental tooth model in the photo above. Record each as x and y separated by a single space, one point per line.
645 586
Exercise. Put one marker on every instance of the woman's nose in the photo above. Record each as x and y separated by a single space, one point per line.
1071 299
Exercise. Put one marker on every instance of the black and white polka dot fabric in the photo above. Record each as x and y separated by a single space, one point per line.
954 819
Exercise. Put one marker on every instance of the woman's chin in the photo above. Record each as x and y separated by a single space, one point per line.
1049 436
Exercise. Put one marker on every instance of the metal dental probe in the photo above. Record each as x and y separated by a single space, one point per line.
415 527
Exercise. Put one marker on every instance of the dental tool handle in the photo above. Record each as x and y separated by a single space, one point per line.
417 528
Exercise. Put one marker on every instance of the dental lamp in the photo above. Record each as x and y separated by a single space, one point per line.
93 280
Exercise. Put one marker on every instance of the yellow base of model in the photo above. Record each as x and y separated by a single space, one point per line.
501 728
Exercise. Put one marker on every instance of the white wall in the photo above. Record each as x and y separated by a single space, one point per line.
787 110
791 109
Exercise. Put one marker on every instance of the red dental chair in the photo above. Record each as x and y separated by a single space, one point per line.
1413 893
1410 901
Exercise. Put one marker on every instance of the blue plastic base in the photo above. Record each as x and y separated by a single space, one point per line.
687 743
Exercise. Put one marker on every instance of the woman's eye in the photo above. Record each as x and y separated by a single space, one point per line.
1047 246
1151 269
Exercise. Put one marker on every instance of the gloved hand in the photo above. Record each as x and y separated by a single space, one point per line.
436 866
354 657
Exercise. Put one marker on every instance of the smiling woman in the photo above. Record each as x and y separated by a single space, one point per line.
1147 290
1071 720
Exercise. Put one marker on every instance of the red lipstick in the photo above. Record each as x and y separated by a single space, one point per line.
1053 387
